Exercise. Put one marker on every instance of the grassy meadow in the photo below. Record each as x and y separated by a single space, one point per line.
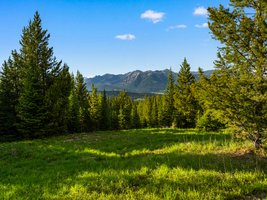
134 164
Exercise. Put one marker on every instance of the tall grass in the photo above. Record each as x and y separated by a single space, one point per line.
134 164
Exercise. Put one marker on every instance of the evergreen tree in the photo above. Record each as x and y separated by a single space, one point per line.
184 101
114 112
135 120
159 100
9 95
39 73
239 85
82 96
122 119
125 107
58 103
95 109
105 112
169 101
73 112
154 112
207 118
31 111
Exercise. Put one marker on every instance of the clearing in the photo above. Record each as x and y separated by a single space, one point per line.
134 164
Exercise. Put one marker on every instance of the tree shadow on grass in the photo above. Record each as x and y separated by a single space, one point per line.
100 173
125 142
49 166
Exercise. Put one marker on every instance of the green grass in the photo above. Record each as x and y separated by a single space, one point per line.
135 164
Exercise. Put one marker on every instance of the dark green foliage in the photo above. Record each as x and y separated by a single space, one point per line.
45 84
9 95
114 112
239 86
168 107
125 105
95 109
36 85
57 102
30 109
105 112
83 102
184 102
73 112
135 119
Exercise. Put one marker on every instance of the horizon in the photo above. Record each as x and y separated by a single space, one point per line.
100 37
143 71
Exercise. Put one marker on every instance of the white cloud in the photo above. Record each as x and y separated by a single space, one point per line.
200 11
179 26
205 25
125 37
153 16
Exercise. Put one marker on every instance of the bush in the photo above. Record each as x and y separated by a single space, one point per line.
209 122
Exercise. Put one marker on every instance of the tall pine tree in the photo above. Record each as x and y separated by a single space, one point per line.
39 72
184 101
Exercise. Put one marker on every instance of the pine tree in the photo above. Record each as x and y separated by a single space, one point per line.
239 85
122 119
159 100
154 112
82 96
95 109
31 111
184 101
135 120
40 73
105 112
125 107
114 112
9 95
73 111
57 100
169 101
207 118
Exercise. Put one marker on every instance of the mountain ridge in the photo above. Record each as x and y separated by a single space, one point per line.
136 81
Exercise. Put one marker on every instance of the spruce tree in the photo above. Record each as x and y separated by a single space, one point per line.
58 103
135 120
239 85
83 101
184 101
168 114
9 95
105 112
95 109
125 107
73 110
39 73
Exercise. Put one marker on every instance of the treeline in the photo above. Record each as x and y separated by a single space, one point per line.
39 97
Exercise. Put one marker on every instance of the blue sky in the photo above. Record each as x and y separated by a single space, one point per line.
116 36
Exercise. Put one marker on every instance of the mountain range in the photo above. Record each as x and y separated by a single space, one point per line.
135 81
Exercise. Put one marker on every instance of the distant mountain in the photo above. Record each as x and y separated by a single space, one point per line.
136 81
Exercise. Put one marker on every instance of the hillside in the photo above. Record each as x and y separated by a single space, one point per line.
136 81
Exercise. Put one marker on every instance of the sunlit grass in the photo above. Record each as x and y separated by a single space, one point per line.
134 164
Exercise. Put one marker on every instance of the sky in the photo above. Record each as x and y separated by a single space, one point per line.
116 36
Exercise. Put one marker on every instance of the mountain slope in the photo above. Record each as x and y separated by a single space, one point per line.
135 81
